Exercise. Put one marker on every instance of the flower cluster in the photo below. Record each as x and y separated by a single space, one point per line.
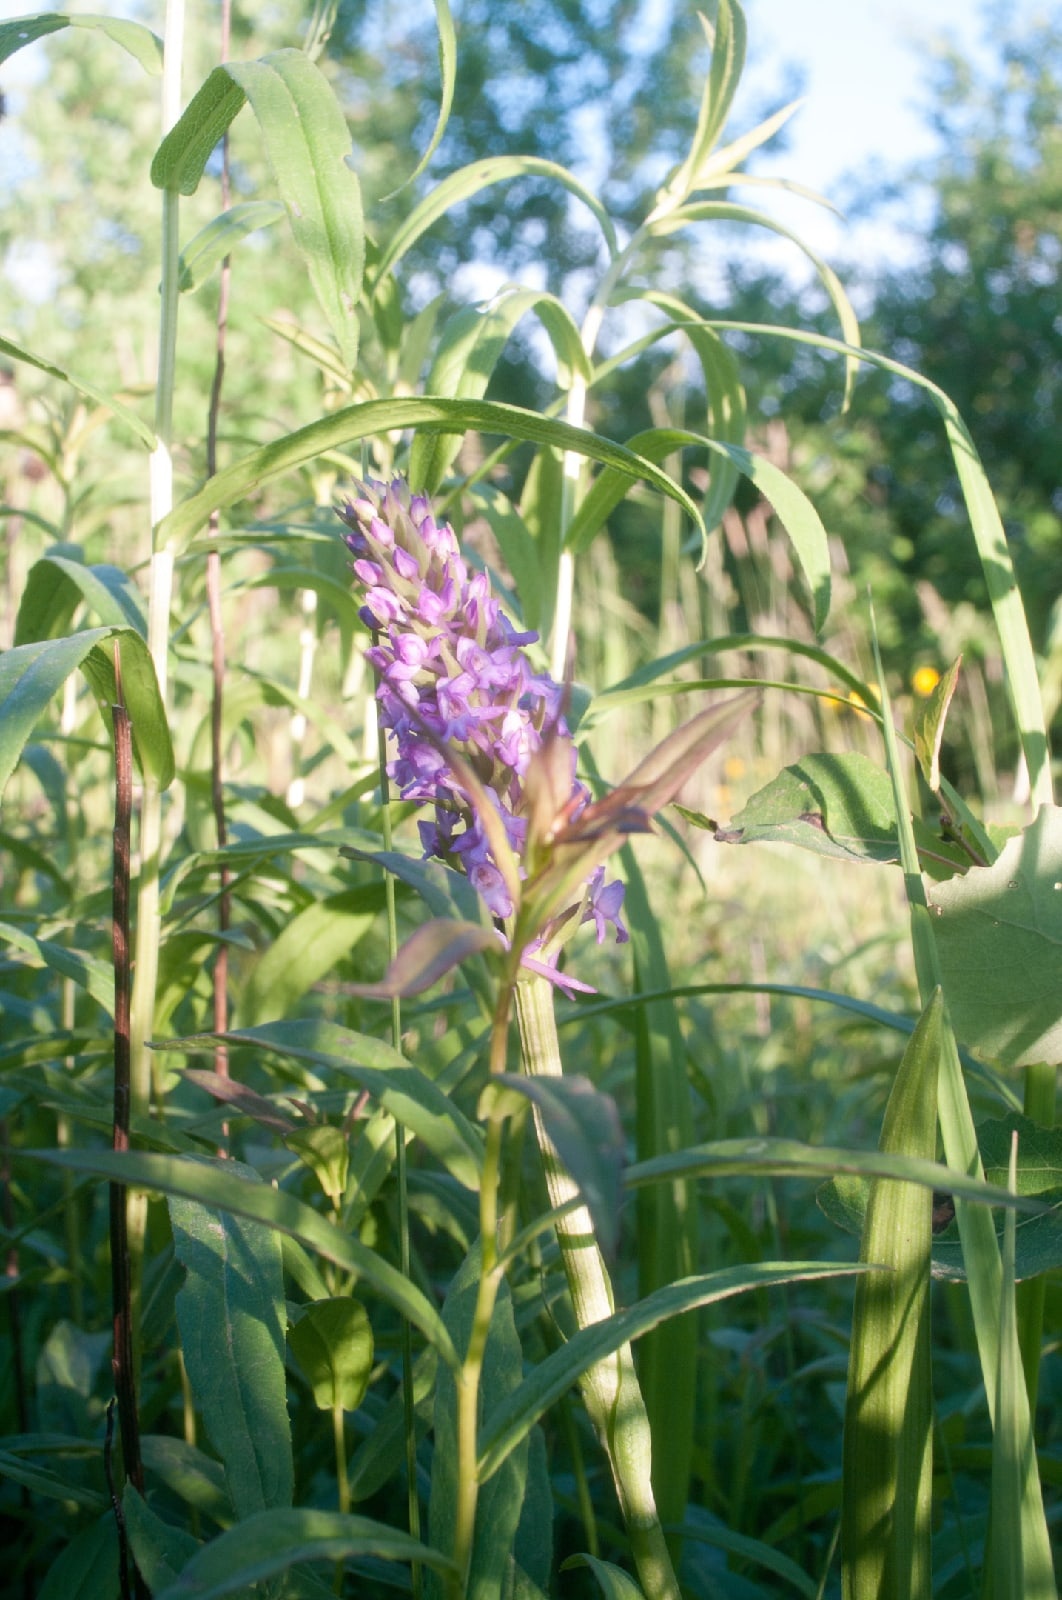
453 676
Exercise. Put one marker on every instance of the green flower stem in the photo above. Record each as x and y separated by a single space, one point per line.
491 1274
610 1388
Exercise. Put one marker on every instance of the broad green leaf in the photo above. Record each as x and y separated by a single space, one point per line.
929 728
614 1583
502 1494
220 237
57 585
17 352
306 950
189 1473
470 345
143 45
381 416
86 1568
409 1095
887 1488
31 675
271 1542
508 1424
159 1549
232 1320
94 976
332 1342
584 1126
998 931
837 805
217 1185
474 178
308 145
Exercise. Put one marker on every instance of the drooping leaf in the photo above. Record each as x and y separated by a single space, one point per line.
584 1126
57 585
614 1583
17 352
510 1422
143 45
410 411
31 675
998 931
218 1185
272 1542
89 973
232 1319
308 144
332 1342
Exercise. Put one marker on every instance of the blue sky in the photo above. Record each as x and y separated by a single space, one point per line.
864 64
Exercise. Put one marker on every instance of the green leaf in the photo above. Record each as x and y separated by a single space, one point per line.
17 352
271 1542
615 1584
325 1150
332 1342
159 1549
887 1487
43 1481
381 416
469 348
1012 1444
308 145
232 1318
143 45
95 977
31 675
502 1494
998 931
929 728
409 1095
220 237
189 1473
474 178
86 1568
444 23
509 1423
584 1126
219 1186
728 40
837 805
306 950
57 585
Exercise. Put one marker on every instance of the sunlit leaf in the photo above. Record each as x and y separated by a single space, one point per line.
332 1342
17 352
220 237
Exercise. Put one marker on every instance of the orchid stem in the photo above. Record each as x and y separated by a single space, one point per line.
610 1388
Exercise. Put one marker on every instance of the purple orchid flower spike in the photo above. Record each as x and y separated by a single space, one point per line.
481 737
469 717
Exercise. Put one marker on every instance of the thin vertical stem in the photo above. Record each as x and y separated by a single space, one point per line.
122 1362
1040 1095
